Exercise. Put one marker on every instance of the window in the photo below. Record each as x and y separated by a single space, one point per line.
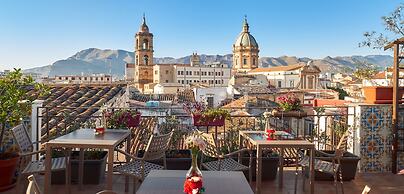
146 60
145 44
279 84
244 61
210 101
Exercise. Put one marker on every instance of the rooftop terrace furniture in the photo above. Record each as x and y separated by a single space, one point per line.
86 139
223 162
332 167
33 187
216 182
139 168
27 151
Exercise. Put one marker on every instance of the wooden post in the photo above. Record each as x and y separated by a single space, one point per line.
396 99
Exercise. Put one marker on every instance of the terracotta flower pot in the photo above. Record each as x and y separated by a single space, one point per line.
7 169
292 113
379 94
210 122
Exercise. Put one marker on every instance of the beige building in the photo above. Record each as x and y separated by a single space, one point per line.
81 79
141 72
299 76
245 51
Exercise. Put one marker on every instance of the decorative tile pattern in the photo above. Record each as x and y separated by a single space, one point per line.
376 138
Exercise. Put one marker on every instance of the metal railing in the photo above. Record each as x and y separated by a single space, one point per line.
323 128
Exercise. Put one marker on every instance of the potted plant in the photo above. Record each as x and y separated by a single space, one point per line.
15 104
94 167
122 118
289 106
206 117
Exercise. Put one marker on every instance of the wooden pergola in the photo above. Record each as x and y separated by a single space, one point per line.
398 56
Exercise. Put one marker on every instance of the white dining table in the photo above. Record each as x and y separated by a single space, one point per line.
86 139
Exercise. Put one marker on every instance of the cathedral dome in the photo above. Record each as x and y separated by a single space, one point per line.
245 38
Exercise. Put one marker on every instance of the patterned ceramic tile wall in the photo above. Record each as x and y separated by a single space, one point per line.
375 138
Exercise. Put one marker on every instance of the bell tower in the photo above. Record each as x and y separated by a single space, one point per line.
143 56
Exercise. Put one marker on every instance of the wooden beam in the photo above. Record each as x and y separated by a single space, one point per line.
391 44
396 99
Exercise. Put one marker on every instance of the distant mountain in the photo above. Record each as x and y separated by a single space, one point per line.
94 61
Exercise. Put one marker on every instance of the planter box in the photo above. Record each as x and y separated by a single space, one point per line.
349 165
182 161
212 122
293 113
93 173
379 94
269 167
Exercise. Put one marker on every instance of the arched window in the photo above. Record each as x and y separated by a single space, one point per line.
244 61
146 60
145 44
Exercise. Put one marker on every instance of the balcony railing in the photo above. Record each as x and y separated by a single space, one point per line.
323 128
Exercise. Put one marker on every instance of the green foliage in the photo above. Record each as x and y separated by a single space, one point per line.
213 114
15 103
394 26
341 92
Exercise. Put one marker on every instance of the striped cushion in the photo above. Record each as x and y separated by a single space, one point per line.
39 166
319 165
227 164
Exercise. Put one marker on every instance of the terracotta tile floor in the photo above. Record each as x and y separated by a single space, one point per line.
381 183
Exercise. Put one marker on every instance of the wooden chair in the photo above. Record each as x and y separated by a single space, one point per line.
33 187
26 152
139 168
366 190
224 162
332 167
106 192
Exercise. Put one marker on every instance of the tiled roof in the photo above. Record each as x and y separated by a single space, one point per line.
278 68
69 105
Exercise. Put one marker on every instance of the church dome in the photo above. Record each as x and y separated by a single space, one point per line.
245 38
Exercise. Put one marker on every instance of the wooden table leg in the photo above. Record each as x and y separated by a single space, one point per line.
67 171
258 170
281 168
48 165
311 171
128 139
110 166
81 168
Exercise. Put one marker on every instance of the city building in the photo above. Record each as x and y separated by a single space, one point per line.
80 79
299 76
245 51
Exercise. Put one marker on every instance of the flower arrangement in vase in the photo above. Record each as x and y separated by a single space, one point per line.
203 116
193 181
289 106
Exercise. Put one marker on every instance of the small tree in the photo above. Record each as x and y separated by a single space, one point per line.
15 103
394 26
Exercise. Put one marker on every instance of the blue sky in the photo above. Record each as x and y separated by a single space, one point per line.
36 33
